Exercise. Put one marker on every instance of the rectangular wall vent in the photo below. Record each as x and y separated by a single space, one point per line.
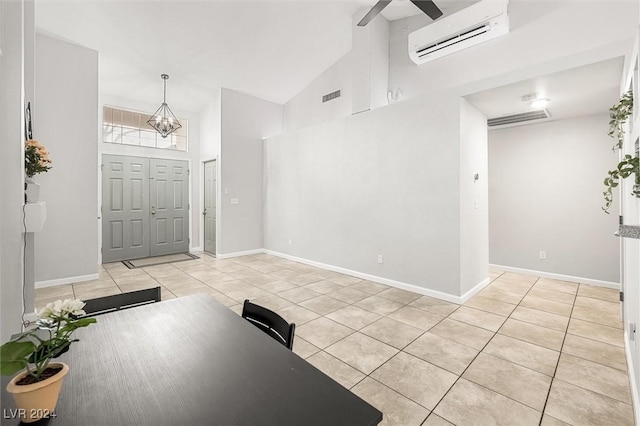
513 119
331 96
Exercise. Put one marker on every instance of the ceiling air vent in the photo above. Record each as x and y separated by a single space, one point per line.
331 96
522 118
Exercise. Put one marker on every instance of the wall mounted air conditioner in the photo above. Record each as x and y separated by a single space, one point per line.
479 22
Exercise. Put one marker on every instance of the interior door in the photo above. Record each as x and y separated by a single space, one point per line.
169 206
125 208
210 207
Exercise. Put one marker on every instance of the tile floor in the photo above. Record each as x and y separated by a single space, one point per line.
525 350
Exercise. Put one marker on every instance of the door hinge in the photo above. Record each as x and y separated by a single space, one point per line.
620 220
622 296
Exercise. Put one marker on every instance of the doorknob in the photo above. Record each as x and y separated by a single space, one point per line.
204 213
153 209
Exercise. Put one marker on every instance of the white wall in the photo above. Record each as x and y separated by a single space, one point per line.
474 203
545 193
245 122
12 17
65 120
192 156
380 182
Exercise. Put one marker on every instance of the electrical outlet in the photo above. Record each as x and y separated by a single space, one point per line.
380 259
632 331
543 255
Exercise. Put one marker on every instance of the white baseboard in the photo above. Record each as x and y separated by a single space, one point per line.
68 280
475 290
397 284
632 377
239 253
559 277
195 249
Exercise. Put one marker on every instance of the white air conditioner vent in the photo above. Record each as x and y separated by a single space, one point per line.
479 22
521 118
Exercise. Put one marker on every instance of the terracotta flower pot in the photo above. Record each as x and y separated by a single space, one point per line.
37 400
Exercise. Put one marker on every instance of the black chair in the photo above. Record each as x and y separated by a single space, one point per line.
102 305
269 322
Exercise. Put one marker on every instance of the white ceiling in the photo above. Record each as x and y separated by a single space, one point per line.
586 90
271 49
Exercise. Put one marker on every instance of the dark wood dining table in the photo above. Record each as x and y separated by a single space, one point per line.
192 361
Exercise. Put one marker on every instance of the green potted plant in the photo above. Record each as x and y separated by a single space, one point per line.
629 165
35 390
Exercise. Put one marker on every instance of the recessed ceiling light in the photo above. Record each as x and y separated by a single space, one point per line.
540 103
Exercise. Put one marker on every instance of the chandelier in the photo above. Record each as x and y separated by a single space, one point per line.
163 120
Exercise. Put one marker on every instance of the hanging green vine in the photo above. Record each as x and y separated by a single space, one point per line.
629 165
619 113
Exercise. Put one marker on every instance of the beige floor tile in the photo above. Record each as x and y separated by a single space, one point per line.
522 353
166 294
258 280
466 334
546 305
283 274
264 267
515 287
186 291
608 318
236 308
442 352
577 406
362 352
416 379
158 271
519 278
59 291
345 279
392 332
348 295
598 305
379 305
547 420
228 266
278 286
178 281
482 319
602 293
101 292
416 317
323 287
133 279
342 373
225 300
594 377
322 332
297 295
471 404
554 296
369 287
551 339
500 295
323 305
601 333
490 305
493 275
511 380
435 420
557 285
271 301
297 314
139 285
126 272
397 410
303 348
304 279
399 295
353 317
94 285
241 291
602 353
541 318
437 306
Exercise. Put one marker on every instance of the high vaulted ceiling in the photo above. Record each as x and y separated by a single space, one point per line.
269 49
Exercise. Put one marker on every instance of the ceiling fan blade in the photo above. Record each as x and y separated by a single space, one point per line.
428 7
377 8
